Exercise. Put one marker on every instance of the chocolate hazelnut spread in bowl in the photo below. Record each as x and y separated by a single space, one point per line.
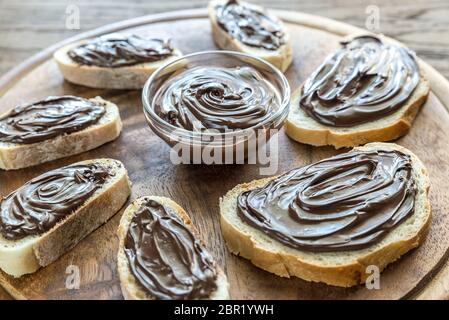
222 104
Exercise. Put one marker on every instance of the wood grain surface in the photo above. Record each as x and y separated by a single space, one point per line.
27 26
197 187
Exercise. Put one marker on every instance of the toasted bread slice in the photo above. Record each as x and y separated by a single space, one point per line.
280 58
26 255
303 128
131 289
17 155
339 268
128 77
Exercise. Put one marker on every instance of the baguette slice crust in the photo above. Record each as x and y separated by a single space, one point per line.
128 77
29 254
344 268
280 58
131 289
108 128
303 128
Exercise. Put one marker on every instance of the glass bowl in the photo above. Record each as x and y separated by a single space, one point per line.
221 146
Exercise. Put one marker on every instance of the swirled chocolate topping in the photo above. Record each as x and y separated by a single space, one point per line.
217 98
117 50
365 80
346 202
41 203
249 25
49 118
165 257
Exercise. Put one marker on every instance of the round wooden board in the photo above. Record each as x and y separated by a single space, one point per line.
422 273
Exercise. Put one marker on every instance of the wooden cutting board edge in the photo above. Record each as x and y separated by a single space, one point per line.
436 284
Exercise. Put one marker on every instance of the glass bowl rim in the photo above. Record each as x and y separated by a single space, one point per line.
151 115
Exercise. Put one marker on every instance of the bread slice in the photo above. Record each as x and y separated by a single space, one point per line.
32 252
131 289
128 77
303 128
17 156
280 58
342 268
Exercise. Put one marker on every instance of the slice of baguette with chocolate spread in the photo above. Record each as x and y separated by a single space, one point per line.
126 77
280 58
304 128
30 252
338 268
131 288
22 155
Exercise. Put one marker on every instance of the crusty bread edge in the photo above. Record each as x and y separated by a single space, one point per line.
70 231
130 288
287 265
18 156
400 124
280 58
128 77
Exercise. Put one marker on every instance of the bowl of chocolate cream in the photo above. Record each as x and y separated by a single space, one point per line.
216 107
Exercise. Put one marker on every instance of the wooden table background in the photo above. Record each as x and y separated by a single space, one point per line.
27 26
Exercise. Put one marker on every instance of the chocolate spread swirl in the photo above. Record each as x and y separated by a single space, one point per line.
49 118
365 80
165 257
41 203
217 98
346 202
117 50
250 25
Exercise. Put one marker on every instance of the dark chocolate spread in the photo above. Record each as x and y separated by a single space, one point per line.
118 50
217 98
365 80
49 118
165 257
41 203
250 25
346 202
